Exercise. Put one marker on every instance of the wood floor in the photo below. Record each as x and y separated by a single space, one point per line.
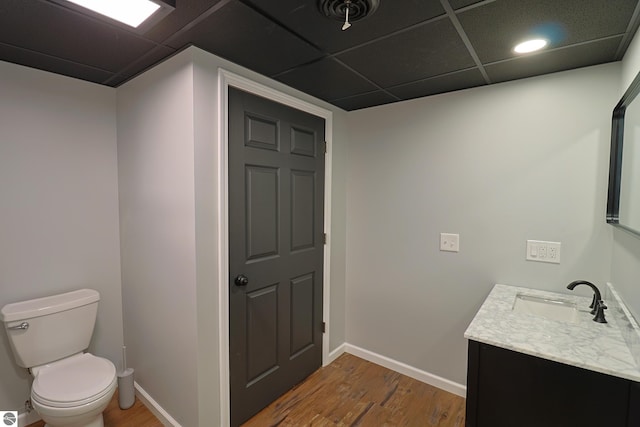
136 416
348 392
354 392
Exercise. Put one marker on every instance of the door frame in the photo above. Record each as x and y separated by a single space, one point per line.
226 79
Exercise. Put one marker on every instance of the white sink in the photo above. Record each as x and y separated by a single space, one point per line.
554 309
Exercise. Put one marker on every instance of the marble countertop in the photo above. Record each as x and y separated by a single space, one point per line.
600 347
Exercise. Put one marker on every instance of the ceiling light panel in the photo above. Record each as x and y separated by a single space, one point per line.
130 12
139 15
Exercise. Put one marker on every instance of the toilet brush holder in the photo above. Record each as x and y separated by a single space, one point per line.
126 391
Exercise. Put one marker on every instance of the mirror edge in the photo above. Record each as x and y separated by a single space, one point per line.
615 160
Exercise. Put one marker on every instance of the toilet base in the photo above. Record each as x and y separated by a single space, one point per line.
95 422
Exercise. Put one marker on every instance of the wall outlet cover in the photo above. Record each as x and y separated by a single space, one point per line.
543 251
449 242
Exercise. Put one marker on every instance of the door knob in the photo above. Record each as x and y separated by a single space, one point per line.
241 280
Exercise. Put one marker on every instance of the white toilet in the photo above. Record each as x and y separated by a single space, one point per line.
49 335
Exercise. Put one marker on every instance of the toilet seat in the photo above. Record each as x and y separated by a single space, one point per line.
75 381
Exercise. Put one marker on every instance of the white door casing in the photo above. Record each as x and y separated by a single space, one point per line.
226 79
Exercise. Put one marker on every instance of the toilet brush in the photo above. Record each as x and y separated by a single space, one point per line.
126 391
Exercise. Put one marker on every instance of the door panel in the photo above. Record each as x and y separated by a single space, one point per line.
262 132
301 319
276 202
261 189
303 142
302 210
262 339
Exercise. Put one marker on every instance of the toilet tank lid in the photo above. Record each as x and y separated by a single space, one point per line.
47 305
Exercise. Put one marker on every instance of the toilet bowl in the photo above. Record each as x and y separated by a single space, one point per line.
74 392
71 388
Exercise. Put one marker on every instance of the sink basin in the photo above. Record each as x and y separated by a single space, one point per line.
554 309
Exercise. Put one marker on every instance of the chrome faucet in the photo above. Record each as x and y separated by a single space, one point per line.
597 305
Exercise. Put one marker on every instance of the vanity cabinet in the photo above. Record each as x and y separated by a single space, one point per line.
510 389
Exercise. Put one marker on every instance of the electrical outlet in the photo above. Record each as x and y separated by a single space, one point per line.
449 242
541 251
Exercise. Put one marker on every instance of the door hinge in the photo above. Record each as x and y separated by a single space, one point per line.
325 147
324 238
324 327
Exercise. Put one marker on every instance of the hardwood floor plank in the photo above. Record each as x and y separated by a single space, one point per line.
136 416
352 392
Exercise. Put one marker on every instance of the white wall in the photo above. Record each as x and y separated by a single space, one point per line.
625 267
498 165
59 209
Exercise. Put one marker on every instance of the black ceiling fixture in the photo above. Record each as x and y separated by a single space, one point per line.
347 10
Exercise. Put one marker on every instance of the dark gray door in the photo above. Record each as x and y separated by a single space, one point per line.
276 197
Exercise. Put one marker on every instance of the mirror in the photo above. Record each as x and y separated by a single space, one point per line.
623 204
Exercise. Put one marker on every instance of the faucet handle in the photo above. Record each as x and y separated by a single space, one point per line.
600 308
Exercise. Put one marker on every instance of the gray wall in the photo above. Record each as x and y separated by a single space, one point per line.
338 233
498 165
625 266
157 233
59 204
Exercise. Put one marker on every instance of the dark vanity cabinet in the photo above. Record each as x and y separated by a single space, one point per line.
510 389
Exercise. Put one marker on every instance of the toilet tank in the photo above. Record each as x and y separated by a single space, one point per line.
58 326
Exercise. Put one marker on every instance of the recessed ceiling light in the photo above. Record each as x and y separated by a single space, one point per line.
530 46
130 12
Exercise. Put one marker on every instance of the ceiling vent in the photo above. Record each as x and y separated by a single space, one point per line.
347 11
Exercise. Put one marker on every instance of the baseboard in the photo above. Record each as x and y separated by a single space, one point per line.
154 407
26 418
410 371
333 355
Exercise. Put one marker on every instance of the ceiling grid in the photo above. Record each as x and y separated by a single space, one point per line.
404 50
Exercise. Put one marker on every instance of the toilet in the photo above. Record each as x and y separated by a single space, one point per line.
49 336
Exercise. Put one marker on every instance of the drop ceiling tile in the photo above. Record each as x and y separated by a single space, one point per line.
52 64
57 31
440 84
364 101
583 55
425 51
305 19
241 35
495 28
407 47
326 79
185 12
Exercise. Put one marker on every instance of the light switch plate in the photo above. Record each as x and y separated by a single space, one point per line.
542 251
449 242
